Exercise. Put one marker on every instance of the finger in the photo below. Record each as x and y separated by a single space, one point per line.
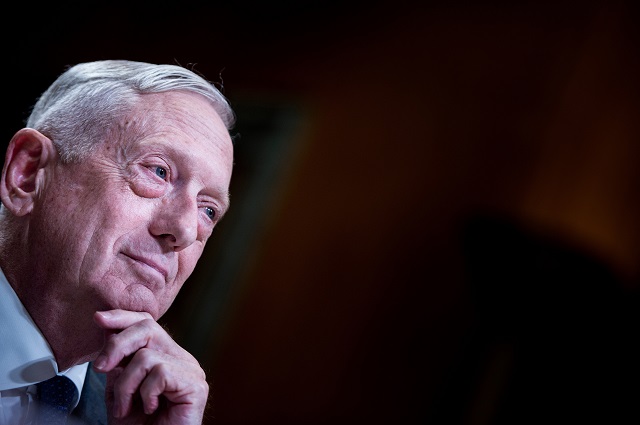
152 374
154 335
144 333
119 319
125 343
129 380
153 387
180 385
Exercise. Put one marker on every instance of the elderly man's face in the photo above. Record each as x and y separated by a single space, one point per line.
125 228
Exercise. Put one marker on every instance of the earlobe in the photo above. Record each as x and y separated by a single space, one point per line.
29 152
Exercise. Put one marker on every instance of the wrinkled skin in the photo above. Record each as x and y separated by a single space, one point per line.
120 233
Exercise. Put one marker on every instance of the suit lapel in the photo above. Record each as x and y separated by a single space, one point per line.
91 409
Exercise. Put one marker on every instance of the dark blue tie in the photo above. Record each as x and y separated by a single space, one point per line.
57 397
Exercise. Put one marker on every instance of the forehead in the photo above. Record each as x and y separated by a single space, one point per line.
186 127
182 112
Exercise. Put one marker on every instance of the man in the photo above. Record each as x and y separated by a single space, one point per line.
108 197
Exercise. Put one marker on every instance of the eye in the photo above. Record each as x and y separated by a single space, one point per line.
211 213
161 172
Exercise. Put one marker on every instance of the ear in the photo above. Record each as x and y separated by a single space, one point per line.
28 153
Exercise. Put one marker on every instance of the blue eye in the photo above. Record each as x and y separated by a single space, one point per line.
211 213
161 172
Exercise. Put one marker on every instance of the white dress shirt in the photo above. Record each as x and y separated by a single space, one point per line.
25 359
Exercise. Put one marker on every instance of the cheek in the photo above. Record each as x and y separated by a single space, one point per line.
187 260
186 264
64 229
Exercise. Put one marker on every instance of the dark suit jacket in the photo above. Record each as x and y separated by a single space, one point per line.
91 409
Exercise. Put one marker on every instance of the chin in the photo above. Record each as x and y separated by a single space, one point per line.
142 307
136 297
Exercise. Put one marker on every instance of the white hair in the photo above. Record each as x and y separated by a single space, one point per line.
79 109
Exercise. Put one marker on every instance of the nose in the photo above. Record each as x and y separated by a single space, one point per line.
175 222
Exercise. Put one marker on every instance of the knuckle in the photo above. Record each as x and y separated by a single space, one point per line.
121 386
112 343
204 386
148 324
145 356
147 315
162 368
203 375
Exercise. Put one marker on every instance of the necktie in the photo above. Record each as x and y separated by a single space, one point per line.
56 399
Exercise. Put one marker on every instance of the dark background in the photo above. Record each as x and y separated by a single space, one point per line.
434 207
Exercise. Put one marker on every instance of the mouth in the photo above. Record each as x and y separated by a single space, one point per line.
148 265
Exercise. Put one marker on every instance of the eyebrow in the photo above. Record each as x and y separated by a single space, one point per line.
226 200
181 155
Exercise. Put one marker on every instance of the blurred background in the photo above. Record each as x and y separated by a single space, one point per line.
434 208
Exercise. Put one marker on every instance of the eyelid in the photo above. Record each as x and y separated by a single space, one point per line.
155 163
216 212
215 206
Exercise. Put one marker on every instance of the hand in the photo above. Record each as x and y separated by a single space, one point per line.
150 378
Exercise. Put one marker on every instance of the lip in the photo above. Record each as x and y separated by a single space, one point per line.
149 263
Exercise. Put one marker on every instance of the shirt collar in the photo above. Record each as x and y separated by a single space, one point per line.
27 358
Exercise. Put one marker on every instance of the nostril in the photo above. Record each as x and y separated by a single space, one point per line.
169 238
